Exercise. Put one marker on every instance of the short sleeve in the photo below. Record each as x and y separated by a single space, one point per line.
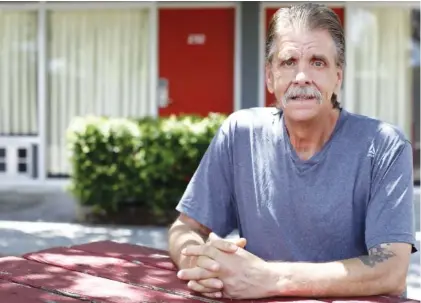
208 197
390 211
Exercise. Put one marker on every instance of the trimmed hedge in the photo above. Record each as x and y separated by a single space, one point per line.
144 163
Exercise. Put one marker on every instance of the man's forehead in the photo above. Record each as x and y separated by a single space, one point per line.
304 41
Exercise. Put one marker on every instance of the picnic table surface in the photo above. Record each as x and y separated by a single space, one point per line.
110 272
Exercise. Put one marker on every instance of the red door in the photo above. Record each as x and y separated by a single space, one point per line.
196 60
270 98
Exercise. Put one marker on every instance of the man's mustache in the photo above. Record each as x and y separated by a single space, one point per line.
302 92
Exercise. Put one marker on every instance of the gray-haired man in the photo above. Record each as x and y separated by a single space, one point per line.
323 198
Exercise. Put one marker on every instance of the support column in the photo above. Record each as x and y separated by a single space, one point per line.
250 54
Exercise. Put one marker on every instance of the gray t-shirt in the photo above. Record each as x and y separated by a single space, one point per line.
357 192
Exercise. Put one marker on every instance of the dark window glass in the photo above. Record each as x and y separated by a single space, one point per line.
22 167
22 153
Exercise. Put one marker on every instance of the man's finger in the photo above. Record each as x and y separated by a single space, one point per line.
213 236
239 242
217 294
201 250
212 283
195 273
229 246
207 263
222 244
197 287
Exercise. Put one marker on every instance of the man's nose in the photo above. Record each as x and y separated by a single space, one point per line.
301 78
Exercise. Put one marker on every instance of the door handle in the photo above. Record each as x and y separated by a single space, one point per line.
163 93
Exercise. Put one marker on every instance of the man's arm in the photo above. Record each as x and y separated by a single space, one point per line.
184 232
206 204
389 233
382 272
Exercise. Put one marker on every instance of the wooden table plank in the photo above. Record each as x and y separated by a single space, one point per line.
111 268
126 271
161 259
371 299
130 252
79 285
11 292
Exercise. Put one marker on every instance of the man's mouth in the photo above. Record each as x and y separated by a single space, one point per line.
302 97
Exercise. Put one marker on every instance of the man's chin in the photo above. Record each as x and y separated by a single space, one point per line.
301 114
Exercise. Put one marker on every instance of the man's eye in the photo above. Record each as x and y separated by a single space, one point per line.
318 63
288 62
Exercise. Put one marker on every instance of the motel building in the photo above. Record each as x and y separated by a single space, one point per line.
59 60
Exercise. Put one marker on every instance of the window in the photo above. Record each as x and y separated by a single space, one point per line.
22 160
98 64
18 74
3 160
381 77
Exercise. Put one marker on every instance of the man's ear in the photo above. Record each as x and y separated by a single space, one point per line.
269 78
339 81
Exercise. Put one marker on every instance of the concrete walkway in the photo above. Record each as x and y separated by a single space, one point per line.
36 221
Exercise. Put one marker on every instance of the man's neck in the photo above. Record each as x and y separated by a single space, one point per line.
309 138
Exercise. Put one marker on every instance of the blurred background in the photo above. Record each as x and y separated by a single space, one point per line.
107 107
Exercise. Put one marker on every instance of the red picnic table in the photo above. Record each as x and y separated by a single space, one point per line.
110 272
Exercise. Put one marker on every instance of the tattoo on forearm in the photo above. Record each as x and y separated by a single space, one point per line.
377 255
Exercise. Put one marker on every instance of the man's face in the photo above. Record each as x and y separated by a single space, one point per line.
303 73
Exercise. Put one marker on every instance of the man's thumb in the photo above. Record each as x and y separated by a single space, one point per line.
240 242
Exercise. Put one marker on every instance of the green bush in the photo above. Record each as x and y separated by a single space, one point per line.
146 162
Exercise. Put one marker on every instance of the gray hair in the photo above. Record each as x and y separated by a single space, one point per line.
312 17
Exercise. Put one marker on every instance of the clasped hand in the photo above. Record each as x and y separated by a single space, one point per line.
223 268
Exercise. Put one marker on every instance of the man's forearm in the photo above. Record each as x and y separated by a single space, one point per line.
376 274
180 236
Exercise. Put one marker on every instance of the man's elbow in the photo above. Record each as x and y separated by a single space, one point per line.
396 285
391 276
396 289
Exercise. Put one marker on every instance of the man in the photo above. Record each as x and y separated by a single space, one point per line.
322 198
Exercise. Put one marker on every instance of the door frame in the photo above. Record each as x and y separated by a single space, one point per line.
237 43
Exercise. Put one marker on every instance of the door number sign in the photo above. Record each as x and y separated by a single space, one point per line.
196 39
